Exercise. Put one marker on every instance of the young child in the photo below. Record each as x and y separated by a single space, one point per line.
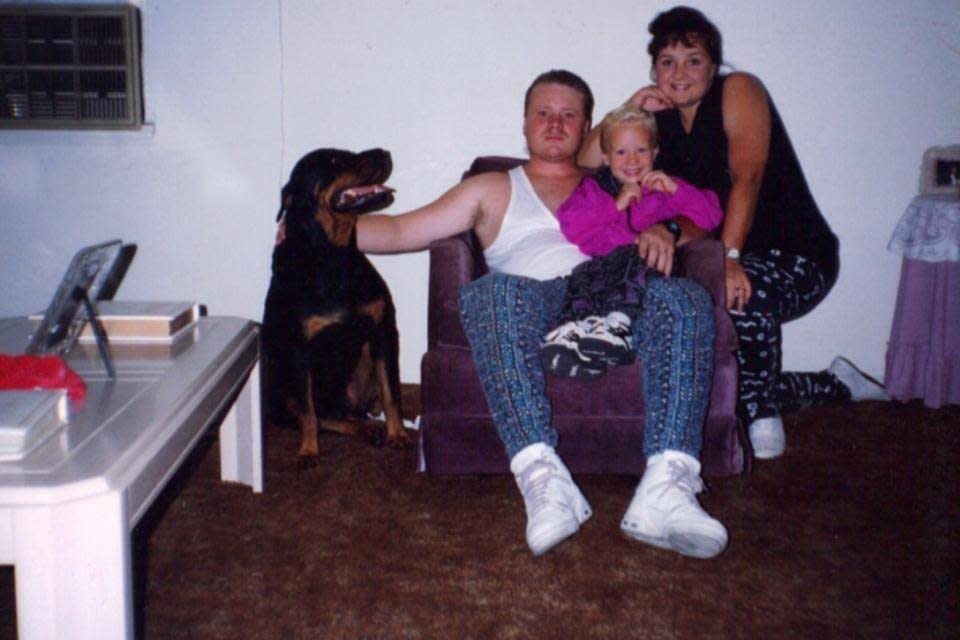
603 217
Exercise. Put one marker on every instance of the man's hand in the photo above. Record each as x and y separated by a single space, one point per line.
651 98
659 181
629 192
656 246
738 286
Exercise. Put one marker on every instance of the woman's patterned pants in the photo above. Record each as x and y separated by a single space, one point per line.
785 286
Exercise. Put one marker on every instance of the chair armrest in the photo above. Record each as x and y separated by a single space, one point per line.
454 262
702 260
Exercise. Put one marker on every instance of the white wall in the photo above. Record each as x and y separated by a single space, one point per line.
237 90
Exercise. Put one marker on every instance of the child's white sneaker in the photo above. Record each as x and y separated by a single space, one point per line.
560 352
610 340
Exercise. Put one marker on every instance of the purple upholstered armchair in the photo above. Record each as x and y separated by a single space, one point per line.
600 423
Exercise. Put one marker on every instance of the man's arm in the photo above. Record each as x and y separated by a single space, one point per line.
463 207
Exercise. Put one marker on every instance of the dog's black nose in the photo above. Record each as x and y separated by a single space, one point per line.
380 154
378 158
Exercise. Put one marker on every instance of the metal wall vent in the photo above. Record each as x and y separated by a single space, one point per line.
70 67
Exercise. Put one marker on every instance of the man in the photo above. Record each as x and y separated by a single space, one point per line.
506 312
557 114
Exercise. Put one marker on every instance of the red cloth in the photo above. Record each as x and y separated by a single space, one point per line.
43 372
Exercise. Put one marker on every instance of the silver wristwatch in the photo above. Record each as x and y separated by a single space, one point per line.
733 253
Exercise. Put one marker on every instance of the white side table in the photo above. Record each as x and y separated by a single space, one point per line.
67 508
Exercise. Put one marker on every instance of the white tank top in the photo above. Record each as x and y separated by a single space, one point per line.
530 242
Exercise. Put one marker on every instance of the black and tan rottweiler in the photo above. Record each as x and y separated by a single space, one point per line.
329 340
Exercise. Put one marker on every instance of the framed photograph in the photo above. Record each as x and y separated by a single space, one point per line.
940 172
89 271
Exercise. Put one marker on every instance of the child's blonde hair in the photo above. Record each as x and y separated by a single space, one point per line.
628 114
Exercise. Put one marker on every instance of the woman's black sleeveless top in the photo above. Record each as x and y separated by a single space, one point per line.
787 216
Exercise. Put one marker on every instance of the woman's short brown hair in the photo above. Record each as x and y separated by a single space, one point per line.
688 27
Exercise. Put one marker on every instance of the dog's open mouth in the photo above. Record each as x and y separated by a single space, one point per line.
368 197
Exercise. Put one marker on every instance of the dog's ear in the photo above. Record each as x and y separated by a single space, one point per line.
285 201
293 196
301 229
284 205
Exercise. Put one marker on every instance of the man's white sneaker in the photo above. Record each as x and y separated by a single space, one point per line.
862 386
610 340
555 506
664 511
767 437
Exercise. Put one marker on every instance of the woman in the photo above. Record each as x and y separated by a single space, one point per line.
722 132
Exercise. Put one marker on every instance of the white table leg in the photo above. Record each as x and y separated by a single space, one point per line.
72 570
241 440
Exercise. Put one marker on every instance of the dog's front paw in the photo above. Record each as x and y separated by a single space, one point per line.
400 439
306 462
376 434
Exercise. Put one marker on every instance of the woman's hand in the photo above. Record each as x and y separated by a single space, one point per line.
738 286
656 246
629 192
659 181
651 98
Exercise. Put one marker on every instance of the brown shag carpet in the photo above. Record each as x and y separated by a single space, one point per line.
852 534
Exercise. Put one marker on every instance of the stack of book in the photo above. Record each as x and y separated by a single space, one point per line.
138 322
27 418
129 321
